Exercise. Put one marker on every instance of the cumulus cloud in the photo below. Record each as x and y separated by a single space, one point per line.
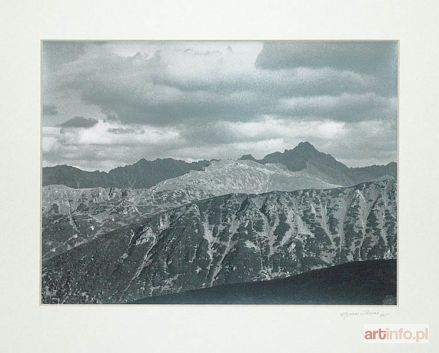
106 144
197 100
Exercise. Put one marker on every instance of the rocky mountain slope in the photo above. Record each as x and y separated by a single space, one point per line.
229 176
72 217
228 239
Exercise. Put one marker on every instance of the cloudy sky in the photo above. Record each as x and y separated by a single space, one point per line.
107 104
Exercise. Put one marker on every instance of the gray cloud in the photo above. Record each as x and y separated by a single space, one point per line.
365 143
50 109
79 122
204 53
57 53
279 83
345 107
123 131
145 88
375 58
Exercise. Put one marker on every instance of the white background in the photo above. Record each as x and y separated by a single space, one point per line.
25 326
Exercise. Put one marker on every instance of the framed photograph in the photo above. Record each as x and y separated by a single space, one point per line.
221 177
196 172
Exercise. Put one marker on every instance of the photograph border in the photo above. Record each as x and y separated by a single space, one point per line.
397 41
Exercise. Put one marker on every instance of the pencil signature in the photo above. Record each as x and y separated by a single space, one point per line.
366 312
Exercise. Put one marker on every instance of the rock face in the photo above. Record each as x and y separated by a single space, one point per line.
228 239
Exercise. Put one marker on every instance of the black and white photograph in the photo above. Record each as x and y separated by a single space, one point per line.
219 176
219 172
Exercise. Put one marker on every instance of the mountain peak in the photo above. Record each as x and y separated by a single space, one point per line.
305 146
141 162
305 155
247 157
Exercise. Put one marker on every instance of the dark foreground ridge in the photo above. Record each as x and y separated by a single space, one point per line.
356 283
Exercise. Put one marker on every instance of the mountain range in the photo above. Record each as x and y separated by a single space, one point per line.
141 174
167 226
144 174
72 217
